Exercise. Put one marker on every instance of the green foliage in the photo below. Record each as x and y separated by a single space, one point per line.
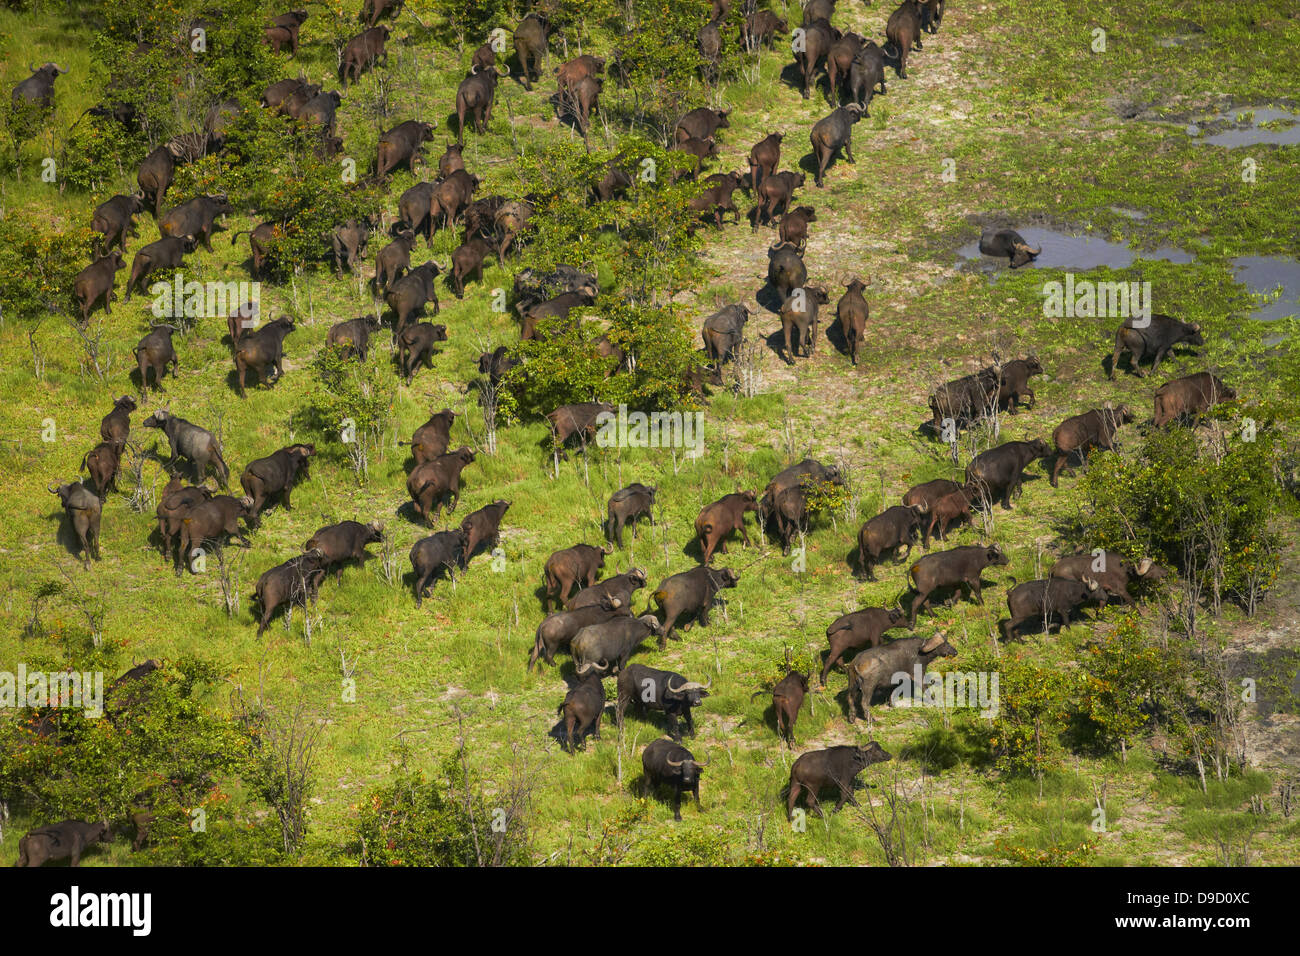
1034 701
1125 676
161 749
38 266
688 847
352 403
663 63
414 821
1206 508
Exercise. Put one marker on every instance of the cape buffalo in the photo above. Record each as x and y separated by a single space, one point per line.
690 594
197 217
833 133
436 482
584 705
665 762
443 551
294 581
558 629
646 688
483 527
276 474
620 586
998 472
1040 600
198 445
261 351
83 509
1009 243
880 666
895 527
957 568
613 641
1189 396
836 767
115 220
719 519
67 839
1078 434
1155 339
343 542
573 568
858 630
1111 570
415 347
625 506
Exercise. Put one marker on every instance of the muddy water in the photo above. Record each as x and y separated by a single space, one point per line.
1061 251
1250 133
1263 275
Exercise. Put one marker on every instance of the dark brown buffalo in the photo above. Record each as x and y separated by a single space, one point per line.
191 442
837 767
799 315
174 503
474 98
852 313
212 521
496 364
664 762
620 587
393 260
402 146
432 438
612 642
723 332
839 62
774 194
903 31
1009 244
690 595
818 35
283 31
483 58
261 351
155 175
584 705
948 510
881 666
452 197
580 420
66 840
443 551
866 72
958 568
349 244
699 150
583 100
346 541
615 184
154 353
764 157
710 47
93 285
415 347
115 220
1189 397
648 688
408 296
83 509
1110 569
573 568
557 308
859 630
719 519
625 506
296 581
276 474
362 52
38 89
372 11
197 217
115 427
716 199
416 208
451 160
831 134
787 697
1155 340
558 629
1042 600
483 527
701 123
279 91
165 253
897 526
568 75
965 399
761 28
467 261
436 482
785 269
101 463
353 336
530 42
296 100
1013 381
999 472
261 239
794 225
1079 434
927 494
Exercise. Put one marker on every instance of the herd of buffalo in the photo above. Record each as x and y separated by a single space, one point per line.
588 616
